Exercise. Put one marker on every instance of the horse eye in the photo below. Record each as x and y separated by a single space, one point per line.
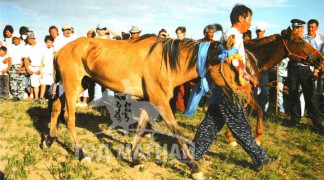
235 62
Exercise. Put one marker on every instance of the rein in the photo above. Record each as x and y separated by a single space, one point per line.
296 55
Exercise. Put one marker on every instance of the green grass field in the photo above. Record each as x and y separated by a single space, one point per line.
23 124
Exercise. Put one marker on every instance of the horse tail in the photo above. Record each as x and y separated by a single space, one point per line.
56 74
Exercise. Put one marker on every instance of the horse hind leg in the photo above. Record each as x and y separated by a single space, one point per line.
72 91
141 126
55 108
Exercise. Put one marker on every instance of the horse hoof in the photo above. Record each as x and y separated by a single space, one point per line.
44 145
86 160
233 144
258 143
136 163
198 176
47 143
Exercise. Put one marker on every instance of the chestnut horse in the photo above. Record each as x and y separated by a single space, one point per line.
263 54
153 67
152 74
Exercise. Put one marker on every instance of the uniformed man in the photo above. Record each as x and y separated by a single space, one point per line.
301 75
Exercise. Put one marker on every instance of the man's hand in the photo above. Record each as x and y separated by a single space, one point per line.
5 61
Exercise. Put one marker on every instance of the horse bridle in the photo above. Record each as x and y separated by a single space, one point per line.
296 55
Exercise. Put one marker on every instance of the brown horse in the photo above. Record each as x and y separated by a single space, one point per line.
263 54
152 66
152 76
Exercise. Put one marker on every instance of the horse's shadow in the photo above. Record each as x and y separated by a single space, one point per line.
88 121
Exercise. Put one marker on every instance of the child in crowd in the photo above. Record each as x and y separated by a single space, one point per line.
5 65
46 78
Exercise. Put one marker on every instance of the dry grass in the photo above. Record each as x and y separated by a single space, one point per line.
22 125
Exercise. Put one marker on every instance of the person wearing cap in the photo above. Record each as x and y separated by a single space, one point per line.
104 33
32 60
16 53
67 37
260 31
135 32
261 94
301 75
222 110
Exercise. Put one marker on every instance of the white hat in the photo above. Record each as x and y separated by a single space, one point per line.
66 26
135 29
15 35
260 27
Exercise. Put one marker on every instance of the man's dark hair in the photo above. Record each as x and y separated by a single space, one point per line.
53 27
239 10
23 30
48 37
3 48
181 28
7 28
312 21
248 33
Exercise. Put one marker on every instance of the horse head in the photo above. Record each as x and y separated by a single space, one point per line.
229 75
299 50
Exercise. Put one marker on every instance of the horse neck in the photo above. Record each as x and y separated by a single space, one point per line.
262 55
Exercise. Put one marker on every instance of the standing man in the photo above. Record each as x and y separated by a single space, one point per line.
209 32
302 75
222 109
316 40
67 37
33 59
135 32
261 94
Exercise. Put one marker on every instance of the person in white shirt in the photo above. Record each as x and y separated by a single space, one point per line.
5 64
17 81
222 109
47 68
8 35
67 37
32 60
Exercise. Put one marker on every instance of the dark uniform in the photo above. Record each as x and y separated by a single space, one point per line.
301 75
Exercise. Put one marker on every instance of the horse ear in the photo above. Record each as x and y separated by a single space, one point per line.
286 33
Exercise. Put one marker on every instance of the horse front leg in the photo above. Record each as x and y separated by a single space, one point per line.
140 129
165 111
230 138
259 126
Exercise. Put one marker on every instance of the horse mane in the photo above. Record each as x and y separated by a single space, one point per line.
171 50
259 42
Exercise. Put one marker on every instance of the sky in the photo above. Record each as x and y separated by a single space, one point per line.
153 15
